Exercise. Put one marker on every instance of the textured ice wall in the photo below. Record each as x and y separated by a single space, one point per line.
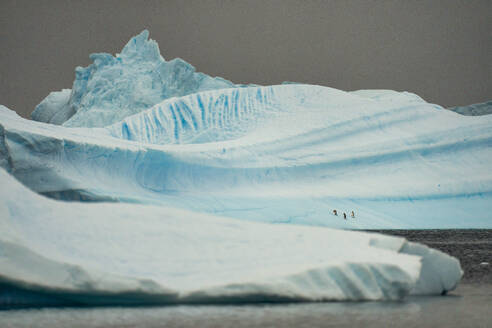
223 115
114 87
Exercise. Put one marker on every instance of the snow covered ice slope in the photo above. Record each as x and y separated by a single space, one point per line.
107 253
288 153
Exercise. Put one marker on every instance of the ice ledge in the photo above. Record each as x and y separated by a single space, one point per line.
75 284
133 254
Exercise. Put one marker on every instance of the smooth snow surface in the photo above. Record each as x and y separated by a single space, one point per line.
129 254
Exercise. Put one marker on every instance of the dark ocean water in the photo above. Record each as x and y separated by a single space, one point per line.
470 305
473 247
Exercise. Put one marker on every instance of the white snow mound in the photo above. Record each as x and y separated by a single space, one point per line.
134 254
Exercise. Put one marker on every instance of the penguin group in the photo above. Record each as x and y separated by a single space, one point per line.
352 214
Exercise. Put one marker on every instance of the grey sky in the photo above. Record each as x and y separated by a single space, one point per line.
441 50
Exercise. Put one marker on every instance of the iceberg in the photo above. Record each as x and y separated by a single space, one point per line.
475 109
150 183
114 87
96 254
288 153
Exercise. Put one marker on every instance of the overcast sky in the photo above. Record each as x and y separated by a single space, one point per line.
441 50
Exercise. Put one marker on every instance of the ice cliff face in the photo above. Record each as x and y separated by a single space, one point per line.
115 87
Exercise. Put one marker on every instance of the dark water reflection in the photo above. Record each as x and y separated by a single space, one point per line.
468 306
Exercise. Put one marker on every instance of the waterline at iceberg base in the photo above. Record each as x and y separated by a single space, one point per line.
172 186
